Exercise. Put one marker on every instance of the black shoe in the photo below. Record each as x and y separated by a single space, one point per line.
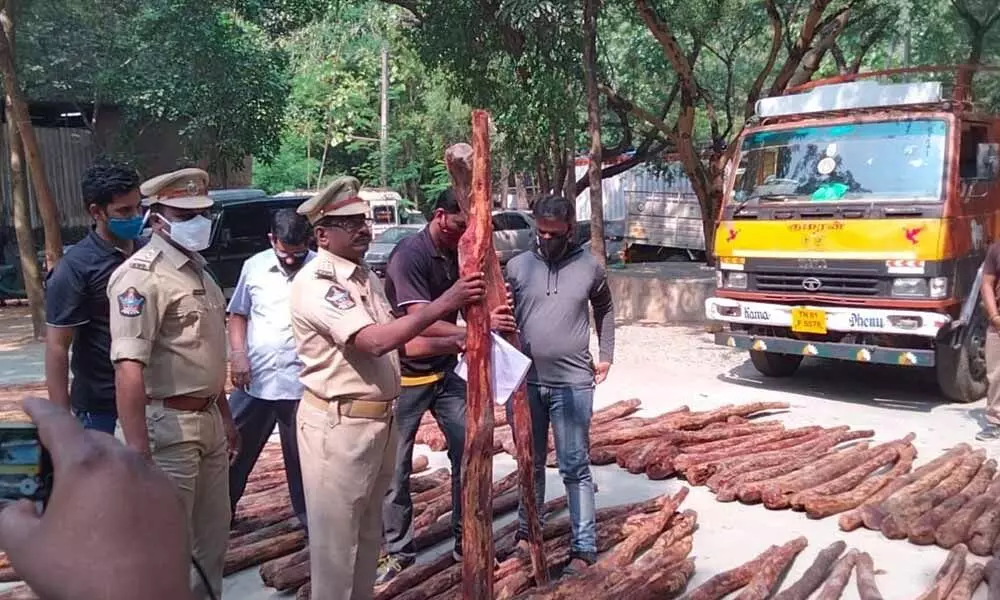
390 566
578 562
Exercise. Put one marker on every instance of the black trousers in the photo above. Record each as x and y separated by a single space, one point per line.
255 419
446 401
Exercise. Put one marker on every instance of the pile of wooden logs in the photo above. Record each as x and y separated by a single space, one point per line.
830 572
644 546
952 500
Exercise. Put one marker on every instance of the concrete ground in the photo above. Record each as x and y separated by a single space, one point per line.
670 366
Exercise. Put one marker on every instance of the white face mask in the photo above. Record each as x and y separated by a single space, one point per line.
194 234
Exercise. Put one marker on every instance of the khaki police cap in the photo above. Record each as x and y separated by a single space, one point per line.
339 199
186 189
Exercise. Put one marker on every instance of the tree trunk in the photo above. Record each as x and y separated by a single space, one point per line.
590 10
558 158
504 185
521 191
569 177
812 59
25 236
475 247
542 179
18 112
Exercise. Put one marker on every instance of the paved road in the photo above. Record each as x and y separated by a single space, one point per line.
670 366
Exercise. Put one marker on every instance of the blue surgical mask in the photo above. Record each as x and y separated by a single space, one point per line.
126 229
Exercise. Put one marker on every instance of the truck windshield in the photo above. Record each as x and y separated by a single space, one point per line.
864 162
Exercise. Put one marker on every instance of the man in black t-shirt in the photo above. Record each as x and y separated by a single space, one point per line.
76 301
420 269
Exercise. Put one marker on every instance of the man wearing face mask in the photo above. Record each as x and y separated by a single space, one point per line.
76 301
168 345
348 341
421 268
263 364
554 289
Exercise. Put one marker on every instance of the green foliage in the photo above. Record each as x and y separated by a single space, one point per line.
290 169
192 62
333 113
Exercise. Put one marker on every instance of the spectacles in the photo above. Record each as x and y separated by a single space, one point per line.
350 225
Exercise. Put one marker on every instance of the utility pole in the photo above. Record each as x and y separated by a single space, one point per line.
384 133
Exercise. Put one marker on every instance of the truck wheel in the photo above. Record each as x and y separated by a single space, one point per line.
775 365
961 372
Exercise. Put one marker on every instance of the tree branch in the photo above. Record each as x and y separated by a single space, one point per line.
626 140
777 34
840 59
668 41
640 113
810 27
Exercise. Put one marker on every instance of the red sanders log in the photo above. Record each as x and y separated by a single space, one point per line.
473 249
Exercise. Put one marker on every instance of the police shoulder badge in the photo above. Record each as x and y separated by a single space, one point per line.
339 298
131 303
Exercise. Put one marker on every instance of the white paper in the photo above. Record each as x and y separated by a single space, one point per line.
509 369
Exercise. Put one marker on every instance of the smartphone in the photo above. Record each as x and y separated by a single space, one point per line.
25 465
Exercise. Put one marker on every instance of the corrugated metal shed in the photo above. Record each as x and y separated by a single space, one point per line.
66 152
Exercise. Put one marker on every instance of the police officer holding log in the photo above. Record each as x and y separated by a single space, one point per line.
168 345
347 340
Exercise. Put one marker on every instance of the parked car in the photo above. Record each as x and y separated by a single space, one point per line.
378 253
513 233
241 221
614 239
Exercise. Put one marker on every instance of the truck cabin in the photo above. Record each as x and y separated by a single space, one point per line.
864 151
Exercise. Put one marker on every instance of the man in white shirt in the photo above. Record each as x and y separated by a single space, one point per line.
264 365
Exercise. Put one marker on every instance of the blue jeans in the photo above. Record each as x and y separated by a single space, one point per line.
97 420
569 409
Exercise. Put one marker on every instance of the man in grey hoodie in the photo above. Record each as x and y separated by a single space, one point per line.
554 290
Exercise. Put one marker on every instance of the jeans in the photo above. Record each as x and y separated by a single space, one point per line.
97 420
569 410
255 420
446 401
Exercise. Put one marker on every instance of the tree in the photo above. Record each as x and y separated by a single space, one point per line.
30 272
201 64
590 11
18 112
719 75
332 119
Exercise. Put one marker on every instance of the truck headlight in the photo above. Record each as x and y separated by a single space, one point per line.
736 281
939 287
720 279
909 287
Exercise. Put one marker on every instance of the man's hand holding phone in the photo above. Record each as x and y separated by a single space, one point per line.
107 502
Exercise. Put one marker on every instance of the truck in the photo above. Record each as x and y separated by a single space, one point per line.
855 228
385 206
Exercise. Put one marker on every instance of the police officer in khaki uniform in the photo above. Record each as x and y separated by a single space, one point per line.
347 340
168 345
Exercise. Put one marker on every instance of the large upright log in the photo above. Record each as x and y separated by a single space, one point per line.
477 472
457 159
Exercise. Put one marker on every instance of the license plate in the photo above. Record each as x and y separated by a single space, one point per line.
807 320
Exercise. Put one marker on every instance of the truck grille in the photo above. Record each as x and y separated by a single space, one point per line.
847 285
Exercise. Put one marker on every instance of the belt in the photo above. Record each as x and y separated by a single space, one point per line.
416 380
190 403
355 409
